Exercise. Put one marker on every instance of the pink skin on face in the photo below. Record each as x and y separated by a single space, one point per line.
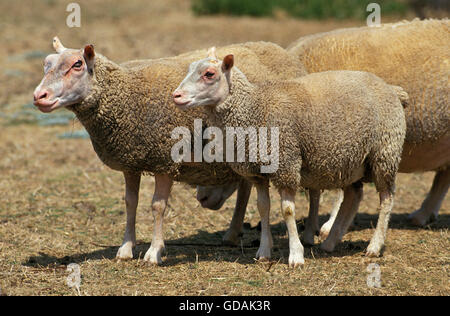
67 78
44 96
206 84
208 77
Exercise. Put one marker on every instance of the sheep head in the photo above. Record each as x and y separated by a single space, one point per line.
67 77
208 82
213 197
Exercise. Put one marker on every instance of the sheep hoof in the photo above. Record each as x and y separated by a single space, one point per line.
308 239
373 251
323 235
371 254
263 260
153 255
263 254
230 240
296 260
125 252
421 218
327 246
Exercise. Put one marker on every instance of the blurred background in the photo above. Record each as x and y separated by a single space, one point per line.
124 30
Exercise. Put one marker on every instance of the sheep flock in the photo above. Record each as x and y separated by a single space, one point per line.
343 108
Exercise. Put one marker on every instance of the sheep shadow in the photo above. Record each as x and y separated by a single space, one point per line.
398 221
207 246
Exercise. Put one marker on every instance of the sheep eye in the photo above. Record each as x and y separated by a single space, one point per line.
209 74
77 64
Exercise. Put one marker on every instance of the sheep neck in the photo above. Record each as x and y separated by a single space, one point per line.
239 107
106 102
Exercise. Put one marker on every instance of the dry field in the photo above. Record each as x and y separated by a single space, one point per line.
60 205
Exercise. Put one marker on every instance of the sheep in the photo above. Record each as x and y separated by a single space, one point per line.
413 55
360 138
128 113
419 66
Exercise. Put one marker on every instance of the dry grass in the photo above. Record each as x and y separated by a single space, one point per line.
60 205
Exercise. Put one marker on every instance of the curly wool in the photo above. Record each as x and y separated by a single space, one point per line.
421 68
335 127
130 115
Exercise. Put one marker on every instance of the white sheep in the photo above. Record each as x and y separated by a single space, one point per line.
413 55
128 112
336 129
409 54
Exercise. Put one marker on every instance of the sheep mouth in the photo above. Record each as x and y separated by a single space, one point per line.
46 106
183 104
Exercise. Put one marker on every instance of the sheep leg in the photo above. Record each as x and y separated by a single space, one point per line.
325 229
263 203
132 183
312 223
378 238
347 211
430 207
288 210
231 237
163 185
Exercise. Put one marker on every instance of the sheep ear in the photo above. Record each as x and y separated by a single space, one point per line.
89 57
212 53
57 45
227 63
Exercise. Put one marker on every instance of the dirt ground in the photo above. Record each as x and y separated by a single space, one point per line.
60 205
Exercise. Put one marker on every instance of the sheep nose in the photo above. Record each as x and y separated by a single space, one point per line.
38 95
177 95
179 98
